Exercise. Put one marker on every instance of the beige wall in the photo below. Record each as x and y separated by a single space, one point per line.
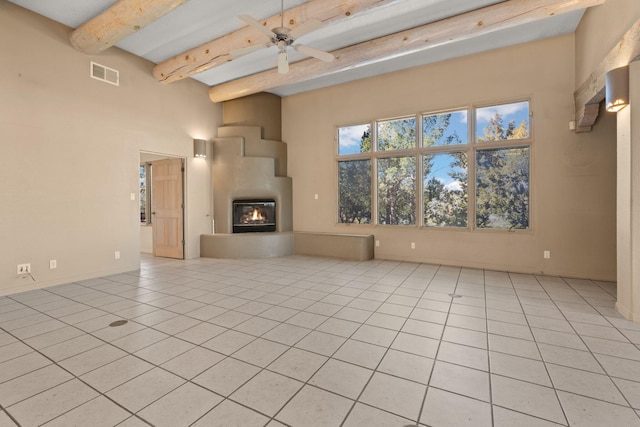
573 176
70 153
600 29
598 33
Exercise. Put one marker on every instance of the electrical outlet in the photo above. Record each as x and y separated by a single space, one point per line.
413 245
547 254
315 196
53 264
23 269
377 243
116 255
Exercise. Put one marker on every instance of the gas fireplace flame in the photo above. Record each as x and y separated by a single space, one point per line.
254 216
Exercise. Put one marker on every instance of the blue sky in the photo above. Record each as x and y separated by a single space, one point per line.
517 111
349 137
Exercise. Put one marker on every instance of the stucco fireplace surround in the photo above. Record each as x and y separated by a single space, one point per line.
250 169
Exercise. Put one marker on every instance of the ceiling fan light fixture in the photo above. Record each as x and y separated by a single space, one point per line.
283 60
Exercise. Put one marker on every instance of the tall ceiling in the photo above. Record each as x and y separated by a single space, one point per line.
196 22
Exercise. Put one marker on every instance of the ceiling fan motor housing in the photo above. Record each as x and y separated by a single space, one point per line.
281 34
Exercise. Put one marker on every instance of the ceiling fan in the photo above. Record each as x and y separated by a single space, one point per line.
283 37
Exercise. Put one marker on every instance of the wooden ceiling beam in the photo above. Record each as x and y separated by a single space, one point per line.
122 19
592 91
216 52
478 22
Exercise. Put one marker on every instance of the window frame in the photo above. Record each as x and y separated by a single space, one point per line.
471 147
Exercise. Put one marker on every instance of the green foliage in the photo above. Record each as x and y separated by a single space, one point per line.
397 190
365 141
502 177
434 127
397 134
354 192
502 188
397 175
495 130
446 207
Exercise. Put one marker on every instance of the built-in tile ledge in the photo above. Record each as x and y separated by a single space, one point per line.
246 245
355 247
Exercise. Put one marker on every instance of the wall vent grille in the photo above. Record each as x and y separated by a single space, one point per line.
105 74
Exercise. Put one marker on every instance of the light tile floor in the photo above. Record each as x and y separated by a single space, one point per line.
301 341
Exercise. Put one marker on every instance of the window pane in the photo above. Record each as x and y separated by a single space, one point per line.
397 190
143 194
445 190
502 122
354 139
444 129
354 192
397 134
502 188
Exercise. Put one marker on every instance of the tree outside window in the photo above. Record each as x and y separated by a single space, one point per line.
397 190
433 168
502 175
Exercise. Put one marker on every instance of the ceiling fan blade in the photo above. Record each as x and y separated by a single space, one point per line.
236 53
258 26
283 62
316 53
306 27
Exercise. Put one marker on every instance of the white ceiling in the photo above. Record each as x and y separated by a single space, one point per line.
199 21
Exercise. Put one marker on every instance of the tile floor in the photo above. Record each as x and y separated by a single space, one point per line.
303 341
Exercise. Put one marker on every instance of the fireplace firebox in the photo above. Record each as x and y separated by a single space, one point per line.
251 216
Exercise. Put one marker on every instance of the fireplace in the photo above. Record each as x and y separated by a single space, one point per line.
250 216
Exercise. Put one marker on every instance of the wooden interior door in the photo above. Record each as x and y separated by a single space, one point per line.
167 208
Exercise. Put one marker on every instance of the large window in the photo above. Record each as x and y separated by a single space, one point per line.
502 174
354 176
397 175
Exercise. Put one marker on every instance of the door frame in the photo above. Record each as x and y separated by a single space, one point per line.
150 156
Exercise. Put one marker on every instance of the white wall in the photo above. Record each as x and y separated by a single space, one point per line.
70 153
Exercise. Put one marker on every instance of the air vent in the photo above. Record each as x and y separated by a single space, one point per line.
105 74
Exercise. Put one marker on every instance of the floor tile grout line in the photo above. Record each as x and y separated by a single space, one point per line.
588 351
307 381
484 282
592 355
374 370
593 307
435 357
11 417
134 355
629 405
361 323
127 353
555 391
355 401
76 377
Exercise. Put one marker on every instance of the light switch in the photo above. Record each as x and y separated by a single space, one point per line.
133 196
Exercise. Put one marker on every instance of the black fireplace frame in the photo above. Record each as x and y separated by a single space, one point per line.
270 226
